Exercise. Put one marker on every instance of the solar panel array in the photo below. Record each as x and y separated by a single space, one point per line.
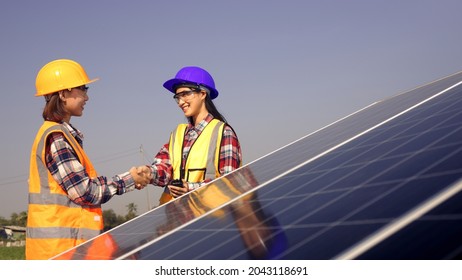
382 183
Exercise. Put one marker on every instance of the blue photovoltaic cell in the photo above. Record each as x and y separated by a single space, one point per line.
382 183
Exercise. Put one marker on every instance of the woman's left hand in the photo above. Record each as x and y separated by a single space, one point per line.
177 191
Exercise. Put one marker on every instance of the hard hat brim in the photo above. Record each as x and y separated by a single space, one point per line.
77 85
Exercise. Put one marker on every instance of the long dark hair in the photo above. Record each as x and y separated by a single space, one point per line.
212 110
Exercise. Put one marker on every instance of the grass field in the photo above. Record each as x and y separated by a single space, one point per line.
13 253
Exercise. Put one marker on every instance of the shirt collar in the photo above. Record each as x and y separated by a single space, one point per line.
202 124
75 132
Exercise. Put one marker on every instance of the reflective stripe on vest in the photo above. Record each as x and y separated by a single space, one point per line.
55 223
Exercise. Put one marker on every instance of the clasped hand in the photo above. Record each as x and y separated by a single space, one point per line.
142 176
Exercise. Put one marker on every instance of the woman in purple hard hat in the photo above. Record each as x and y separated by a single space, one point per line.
198 151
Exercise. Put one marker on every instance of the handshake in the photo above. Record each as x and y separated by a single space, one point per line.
142 176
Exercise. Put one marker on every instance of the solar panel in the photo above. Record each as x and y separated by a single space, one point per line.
382 183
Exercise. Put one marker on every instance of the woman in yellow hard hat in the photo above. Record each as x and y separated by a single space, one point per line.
65 192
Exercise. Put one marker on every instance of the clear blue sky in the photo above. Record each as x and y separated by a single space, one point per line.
283 68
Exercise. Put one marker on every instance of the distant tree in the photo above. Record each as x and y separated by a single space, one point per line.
18 219
14 219
3 221
132 210
21 220
111 219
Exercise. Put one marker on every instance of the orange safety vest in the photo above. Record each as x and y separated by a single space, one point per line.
203 157
55 223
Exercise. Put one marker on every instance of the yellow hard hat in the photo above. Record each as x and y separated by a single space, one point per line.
60 74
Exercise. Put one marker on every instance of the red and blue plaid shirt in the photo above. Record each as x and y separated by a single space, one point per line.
67 170
230 154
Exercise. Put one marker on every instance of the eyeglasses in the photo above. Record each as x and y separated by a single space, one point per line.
82 88
184 95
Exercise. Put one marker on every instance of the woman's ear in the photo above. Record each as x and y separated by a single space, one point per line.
204 94
61 96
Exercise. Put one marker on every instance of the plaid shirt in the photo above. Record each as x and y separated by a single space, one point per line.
66 169
230 154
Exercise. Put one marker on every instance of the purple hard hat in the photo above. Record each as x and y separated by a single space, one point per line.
192 75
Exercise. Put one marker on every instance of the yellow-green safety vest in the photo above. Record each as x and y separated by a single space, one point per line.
203 157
